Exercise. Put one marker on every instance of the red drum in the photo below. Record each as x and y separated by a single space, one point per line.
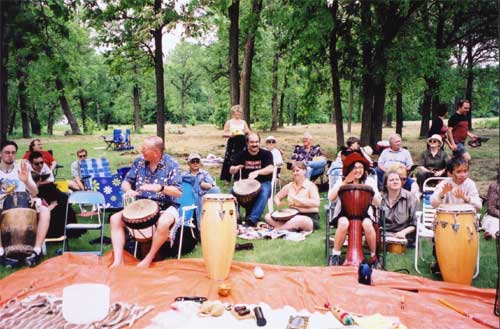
355 199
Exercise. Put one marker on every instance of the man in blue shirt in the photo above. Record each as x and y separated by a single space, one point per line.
155 176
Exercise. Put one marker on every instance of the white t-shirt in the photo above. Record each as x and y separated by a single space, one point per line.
12 178
277 158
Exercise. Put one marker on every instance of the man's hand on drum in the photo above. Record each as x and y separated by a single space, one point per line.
150 188
253 174
461 194
131 194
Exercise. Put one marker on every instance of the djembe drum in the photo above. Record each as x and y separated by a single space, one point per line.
284 215
218 234
355 198
18 226
457 242
141 217
246 190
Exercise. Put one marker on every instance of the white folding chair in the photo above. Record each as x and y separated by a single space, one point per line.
270 204
86 199
425 222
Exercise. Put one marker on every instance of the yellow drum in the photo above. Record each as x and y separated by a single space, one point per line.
218 234
457 242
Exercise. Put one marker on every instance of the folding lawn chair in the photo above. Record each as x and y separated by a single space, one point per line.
96 176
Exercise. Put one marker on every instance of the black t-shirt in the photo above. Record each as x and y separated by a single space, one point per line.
261 160
436 126
460 126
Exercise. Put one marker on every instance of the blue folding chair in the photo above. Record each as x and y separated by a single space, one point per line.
125 143
187 208
96 176
88 199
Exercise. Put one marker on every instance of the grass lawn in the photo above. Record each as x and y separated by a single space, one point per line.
180 141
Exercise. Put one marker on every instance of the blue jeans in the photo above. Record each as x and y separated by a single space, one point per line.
380 178
260 203
315 168
199 204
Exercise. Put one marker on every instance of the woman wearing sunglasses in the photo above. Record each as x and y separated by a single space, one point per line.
432 161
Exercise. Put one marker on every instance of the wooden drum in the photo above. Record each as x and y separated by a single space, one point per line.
355 199
141 217
284 215
18 226
218 234
457 242
246 190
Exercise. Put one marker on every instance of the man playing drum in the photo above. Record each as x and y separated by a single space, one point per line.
15 178
355 170
155 176
255 163
460 189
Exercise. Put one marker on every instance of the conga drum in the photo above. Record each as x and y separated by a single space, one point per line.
457 241
18 226
355 199
246 190
140 218
218 234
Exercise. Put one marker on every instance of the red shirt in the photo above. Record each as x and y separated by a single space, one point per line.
47 157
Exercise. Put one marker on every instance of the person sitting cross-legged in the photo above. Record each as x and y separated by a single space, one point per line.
354 169
303 195
201 180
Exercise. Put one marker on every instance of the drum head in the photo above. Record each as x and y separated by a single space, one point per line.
456 208
284 215
246 186
140 209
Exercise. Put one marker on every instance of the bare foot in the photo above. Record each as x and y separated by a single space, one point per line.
144 263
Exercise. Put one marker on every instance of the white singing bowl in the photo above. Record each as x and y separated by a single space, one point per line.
85 303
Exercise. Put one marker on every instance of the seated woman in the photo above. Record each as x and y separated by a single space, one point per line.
303 195
355 168
432 161
491 219
399 207
201 180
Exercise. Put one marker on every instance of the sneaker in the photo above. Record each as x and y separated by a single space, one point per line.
334 260
375 263
487 235
435 269
9 262
33 259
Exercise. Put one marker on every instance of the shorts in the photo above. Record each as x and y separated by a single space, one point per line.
314 217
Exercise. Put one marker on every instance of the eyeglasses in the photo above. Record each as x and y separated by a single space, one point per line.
271 142
37 163
195 161
403 179
432 141
81 156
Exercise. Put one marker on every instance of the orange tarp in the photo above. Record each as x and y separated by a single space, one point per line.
299 287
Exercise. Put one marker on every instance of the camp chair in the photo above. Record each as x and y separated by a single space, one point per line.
122 172
425 222
274 180
87 199
124 143
96 176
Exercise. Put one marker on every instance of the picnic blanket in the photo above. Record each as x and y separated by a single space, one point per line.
298 287
265 232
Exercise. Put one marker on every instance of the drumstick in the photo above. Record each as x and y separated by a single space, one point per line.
460 311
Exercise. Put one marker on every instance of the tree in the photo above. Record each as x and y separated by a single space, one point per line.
233 61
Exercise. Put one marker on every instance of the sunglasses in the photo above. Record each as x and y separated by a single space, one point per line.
271 142
195 161
81 156
37 163
432 141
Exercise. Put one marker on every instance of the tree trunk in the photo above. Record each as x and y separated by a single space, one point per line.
75 130
388 120
234 32
351 105
4 51
136 93
367 84
36 127
51 119
248 54
160 89
399 112
23 106
83 106
378 110
426 107
282 100
12 121
274 100
334 70
470 78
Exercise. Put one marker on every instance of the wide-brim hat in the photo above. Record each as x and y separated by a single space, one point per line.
436 137
351 159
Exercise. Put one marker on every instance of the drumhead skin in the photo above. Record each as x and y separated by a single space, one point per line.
284 214
456 208
140 209
246 186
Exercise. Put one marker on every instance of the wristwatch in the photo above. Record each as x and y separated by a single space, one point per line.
161 189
